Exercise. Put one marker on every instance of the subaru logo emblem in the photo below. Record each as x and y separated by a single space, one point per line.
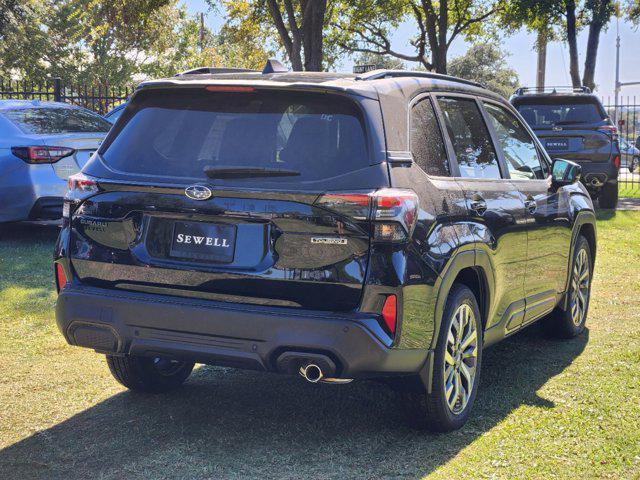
198 192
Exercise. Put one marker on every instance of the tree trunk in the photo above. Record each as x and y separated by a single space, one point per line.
439 57
601 15
574 67
313 12
292 46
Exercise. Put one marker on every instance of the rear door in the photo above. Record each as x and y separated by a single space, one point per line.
494 205
240 196
547 223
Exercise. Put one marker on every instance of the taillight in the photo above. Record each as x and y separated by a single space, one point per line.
395 213
611 130
353 205
40 154
80 183
61 277
390 313
616 161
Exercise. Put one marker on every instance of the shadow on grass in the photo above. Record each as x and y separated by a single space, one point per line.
233 424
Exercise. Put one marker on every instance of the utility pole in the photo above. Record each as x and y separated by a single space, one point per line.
542 58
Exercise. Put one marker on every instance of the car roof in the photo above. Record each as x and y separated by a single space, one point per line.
18 104
370 84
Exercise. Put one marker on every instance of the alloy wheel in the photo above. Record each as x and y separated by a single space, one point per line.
580 282
460 359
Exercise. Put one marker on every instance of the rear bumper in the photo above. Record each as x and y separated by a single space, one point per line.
595 175
242 336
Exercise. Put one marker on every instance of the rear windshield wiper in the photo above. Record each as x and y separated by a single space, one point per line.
248 172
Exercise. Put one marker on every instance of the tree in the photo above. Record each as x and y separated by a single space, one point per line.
114 42
486 63
438 24
298 26
570 16
380 61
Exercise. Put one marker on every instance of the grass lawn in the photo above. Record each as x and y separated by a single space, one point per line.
629 192
546 409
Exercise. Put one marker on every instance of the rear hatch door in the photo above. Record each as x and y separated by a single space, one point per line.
569 127
244 197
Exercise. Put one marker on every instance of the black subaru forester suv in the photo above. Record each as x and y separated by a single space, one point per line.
572 124
390 225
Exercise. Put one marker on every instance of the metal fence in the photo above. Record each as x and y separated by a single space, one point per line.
626 115
98 97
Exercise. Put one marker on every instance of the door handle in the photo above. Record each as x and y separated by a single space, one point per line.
530 205
478 205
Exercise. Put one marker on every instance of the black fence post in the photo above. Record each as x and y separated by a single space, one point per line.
57 89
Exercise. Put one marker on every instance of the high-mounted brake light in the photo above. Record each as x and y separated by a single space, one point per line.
390 313
61 277
229 88
41 154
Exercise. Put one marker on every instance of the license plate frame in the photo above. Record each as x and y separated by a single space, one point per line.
557 144
214 242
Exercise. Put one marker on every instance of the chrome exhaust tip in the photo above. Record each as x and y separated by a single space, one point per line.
311 373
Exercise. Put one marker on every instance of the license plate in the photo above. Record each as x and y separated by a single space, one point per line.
203 241
557 144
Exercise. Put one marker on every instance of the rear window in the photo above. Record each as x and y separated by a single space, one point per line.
558 111
51 120
183 132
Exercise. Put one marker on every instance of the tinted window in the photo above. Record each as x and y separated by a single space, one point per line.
179 133
47 120
470 138
517 145
114 114
427 145
548 112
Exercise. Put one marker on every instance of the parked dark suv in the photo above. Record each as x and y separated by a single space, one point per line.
572 124
389 225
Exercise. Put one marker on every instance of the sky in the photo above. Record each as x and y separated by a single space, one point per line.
522 57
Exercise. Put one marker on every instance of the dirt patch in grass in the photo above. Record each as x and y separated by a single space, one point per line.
546 409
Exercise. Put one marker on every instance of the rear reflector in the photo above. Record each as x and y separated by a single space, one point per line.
40 154
229 88
389 313
61 278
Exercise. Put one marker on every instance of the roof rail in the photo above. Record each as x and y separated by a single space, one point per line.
552 89
384 73
205 70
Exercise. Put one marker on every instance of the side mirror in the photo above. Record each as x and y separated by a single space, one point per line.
564 172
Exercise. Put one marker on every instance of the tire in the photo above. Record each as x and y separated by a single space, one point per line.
608 197
432 410
149 374
571 322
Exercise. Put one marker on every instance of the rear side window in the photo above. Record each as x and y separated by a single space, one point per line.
44 120
470 138
547 112
427 145
517 145
183 132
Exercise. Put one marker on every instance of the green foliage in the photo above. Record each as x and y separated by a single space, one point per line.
114 42
486 63
381 61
